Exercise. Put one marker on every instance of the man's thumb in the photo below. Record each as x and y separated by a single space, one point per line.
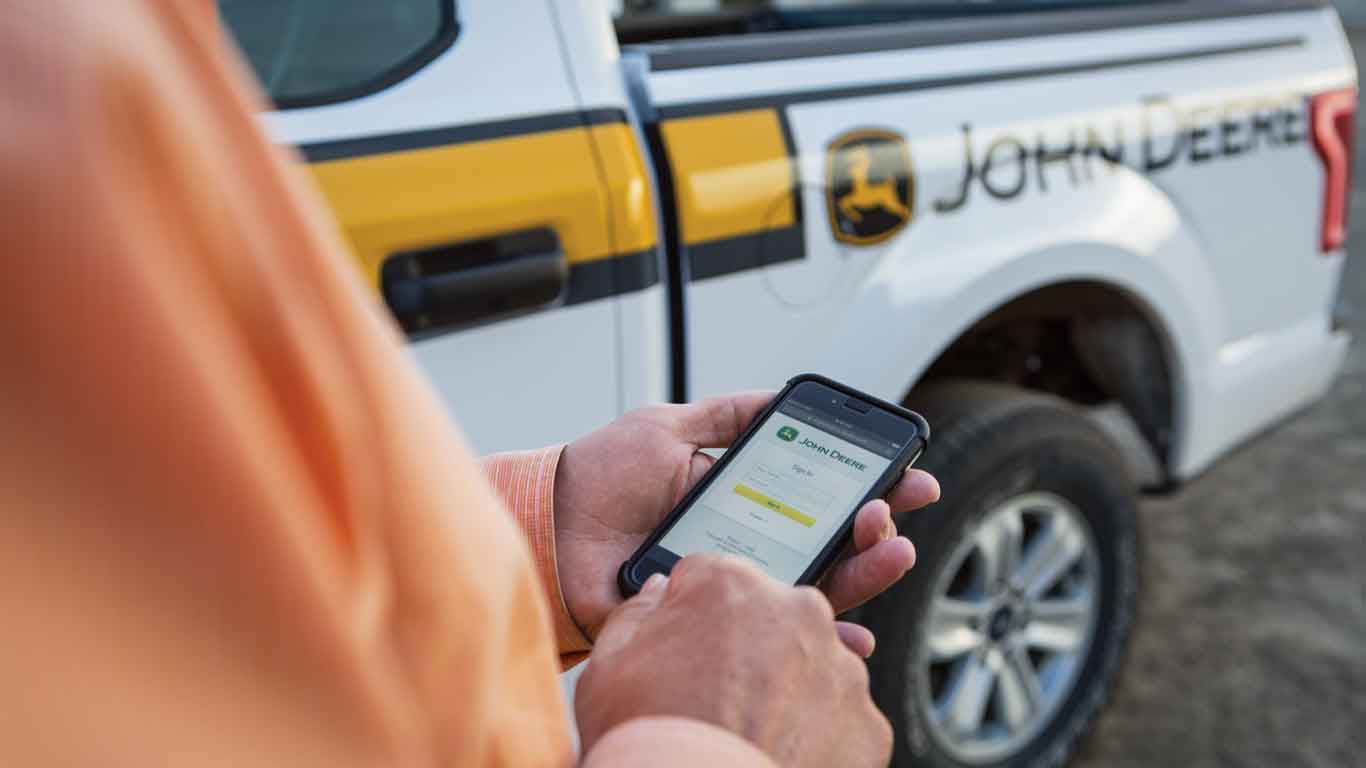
622 624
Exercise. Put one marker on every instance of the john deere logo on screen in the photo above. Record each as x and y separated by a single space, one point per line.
787 433
869 188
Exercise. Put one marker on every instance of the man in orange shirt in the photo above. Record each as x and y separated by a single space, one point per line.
238 528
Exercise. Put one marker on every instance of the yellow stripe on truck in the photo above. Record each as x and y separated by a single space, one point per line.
628 188
732 175
402 201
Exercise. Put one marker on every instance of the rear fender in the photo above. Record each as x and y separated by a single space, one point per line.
1133 240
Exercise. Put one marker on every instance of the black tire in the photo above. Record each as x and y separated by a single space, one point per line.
992 442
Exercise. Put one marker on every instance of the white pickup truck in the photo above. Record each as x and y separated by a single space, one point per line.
1096 242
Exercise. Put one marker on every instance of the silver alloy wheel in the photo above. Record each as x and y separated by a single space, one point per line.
1012 621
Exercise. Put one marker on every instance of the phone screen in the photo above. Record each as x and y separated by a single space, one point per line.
785 495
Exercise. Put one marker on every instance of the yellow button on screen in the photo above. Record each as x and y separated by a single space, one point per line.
775 505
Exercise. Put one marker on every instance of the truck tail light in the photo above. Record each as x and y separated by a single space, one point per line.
1333 116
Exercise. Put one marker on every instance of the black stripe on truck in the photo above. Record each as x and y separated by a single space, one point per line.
783 99
613 276
458 134
736 254
924 27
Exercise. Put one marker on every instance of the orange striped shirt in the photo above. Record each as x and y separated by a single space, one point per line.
526 482
236 525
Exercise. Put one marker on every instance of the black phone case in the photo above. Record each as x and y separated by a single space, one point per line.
832 549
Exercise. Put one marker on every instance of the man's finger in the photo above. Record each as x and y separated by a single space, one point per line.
856 638
872 525
866 574
717 421
917 488
623 622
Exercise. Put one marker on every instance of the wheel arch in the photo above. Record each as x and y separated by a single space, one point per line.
1101 293
1087 341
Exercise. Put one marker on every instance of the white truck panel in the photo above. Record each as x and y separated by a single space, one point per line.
507 384
643 327
591 52
1178 239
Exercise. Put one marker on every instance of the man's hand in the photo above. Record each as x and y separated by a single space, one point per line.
615 485
722 643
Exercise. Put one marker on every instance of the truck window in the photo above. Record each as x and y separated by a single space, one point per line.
641 21
311 52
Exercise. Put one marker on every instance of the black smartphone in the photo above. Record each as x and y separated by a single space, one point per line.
785 494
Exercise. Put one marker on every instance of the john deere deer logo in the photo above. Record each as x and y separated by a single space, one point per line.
869 188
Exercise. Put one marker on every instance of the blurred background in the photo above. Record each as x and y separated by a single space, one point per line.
1353 11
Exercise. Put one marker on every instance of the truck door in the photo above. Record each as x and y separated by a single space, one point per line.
461 169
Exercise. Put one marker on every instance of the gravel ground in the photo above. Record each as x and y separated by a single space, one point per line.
1250 647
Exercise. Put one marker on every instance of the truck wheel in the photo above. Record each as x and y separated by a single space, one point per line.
1002 644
